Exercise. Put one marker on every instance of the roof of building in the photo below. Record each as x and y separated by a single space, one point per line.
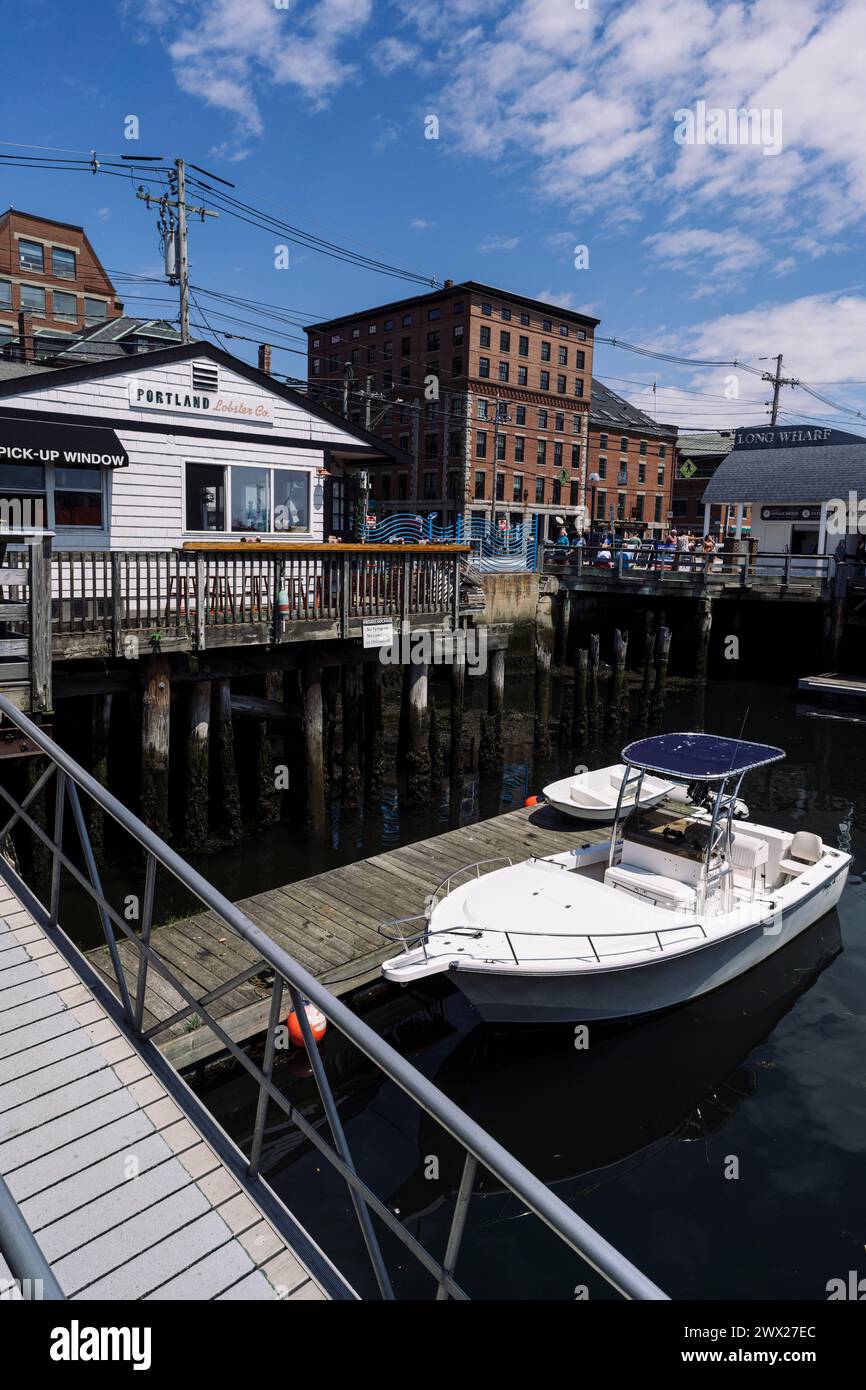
554 310
183 352
607 408
114 337
714 442
790 464
10 370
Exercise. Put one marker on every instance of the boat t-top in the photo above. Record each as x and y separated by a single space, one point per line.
680 900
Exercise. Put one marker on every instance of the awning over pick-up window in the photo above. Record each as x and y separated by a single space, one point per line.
70 445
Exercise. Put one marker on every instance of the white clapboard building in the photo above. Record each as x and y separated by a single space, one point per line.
180 445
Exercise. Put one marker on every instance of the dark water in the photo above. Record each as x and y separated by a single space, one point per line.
766 1076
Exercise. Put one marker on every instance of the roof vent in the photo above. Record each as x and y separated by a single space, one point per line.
205 378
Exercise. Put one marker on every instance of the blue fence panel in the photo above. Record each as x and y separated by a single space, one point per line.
494 548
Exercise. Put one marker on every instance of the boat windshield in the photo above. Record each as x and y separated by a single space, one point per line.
671 831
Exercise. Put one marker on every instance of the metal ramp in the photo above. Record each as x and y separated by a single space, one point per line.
124 1196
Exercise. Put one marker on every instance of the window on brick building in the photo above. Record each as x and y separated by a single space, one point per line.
481 444
574 493
500 447
561 385
546 325
539 489
480 480
559 421
505 314
519 447
662 451
601 504
517 494
545 381
523 346
542 419
556 494
503 371
524 319
657 509
499 488
456 366
641 472
484 366
541 452
484 338
406 320
433 314
504 341
602 468
487 309
520 415
522 376
433 341
483 409
457 335
562 356
402 486
31 256
545 352
602 441
641 448
578 386
661 475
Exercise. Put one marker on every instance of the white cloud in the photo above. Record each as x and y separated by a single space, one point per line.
392 53
420 224
499 243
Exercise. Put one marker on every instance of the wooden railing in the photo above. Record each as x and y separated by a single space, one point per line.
201 589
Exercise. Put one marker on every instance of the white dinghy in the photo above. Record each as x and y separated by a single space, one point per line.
675 904
594 796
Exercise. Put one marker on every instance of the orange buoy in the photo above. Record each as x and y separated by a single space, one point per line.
531 801
316 1019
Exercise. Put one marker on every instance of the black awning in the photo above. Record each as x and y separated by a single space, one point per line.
68 446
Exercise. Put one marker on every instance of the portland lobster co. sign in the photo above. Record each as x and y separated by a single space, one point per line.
144 395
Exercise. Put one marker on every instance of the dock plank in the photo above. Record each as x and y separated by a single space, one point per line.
123 1194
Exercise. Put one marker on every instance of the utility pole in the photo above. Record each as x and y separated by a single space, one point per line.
175 237
777 380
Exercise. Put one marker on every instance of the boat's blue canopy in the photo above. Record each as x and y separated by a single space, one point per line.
699 757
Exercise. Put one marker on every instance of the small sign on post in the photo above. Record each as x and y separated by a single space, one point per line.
379 633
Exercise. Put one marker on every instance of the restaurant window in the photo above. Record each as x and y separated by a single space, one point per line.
260 499
23 487
31 256
205 497
62 263
77 497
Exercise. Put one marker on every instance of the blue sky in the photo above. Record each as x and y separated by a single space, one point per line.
556 129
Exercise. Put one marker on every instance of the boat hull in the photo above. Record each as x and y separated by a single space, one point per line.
594 996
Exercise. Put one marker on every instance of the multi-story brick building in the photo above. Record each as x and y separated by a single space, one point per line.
50 273
698 457
631 465
488 390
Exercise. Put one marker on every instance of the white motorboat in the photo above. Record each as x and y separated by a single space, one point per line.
594 796
676 903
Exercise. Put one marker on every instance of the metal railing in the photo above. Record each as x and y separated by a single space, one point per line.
646 560
35 1279
481 1149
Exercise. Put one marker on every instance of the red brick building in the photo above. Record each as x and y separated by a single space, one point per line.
488 391
698 457
49 271
631 465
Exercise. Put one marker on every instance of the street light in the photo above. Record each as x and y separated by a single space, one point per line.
595 479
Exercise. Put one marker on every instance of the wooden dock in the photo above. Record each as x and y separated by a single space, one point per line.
834 683
125 1197
329 923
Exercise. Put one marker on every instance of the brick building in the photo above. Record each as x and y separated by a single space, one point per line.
50 273
631 464
698 457
487 390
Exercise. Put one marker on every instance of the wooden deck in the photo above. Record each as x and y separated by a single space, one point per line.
125 1197
328 923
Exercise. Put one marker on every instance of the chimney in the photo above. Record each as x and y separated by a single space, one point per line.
26 341
265 358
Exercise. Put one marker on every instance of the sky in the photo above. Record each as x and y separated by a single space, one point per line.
550 147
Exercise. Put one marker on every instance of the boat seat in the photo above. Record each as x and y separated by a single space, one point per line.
805 850
581 797
645 883
748 851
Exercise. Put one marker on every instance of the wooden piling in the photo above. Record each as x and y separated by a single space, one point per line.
314 744
196 813
580 726
647 670
592 701
705 625
458 700
374 737
227 797
490 751
562 636
618 705
542 696
270 768
155 722
662 656
418 752
99 741
330 715
350 685
434 747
